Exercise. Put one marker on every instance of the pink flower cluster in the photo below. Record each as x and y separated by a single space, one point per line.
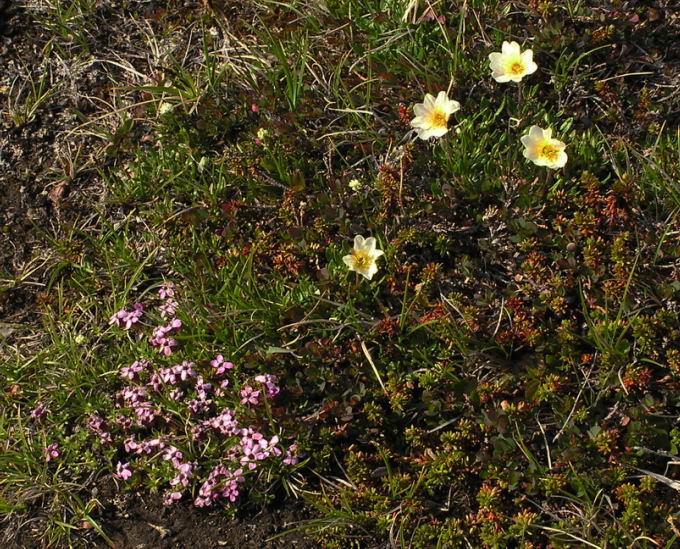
269 383
160 337
39 412
255 447
183 404
251 396
51 452
214 488
130 372
137 399
126 319
123 471
97 424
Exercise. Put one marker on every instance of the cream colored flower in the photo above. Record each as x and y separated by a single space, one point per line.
355 184
165 108
511 65
432 115
542 149
362 258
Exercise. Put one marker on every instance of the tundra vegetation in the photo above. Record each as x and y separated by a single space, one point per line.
414 264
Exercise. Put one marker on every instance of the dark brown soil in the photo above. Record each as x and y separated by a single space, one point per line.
135 521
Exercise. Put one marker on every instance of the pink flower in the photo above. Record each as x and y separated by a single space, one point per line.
51 452
155 382
168 375
166 290
97 424
131 445
225 423
291 456
269 382
202 388
39 412
198 406
171 497
220 365
124 319
123 471
250 396
130 372
184 370
174 455
160 337
168 308
123 422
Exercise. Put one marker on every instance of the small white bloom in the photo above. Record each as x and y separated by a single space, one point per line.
262 133
355 184
511 65
165 108
542 149
362 258
432 115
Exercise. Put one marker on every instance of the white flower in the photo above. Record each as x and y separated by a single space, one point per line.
355 184
362 258
165 108
542 149
432 115
511 64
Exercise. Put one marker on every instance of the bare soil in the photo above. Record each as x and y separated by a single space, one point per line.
136 521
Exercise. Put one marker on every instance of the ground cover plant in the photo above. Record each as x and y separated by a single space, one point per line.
414 265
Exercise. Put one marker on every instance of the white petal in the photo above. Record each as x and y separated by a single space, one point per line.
349 262
547 134
372 269
419 109
358 242
531 67
420 122
532 154
428 102
510 48
494 57
451 107
438 132
441 98
536 133
561 160
369 244
500 76
376 254
526 140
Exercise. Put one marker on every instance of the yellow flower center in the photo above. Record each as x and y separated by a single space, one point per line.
517 68
549 151
361 260
438 119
